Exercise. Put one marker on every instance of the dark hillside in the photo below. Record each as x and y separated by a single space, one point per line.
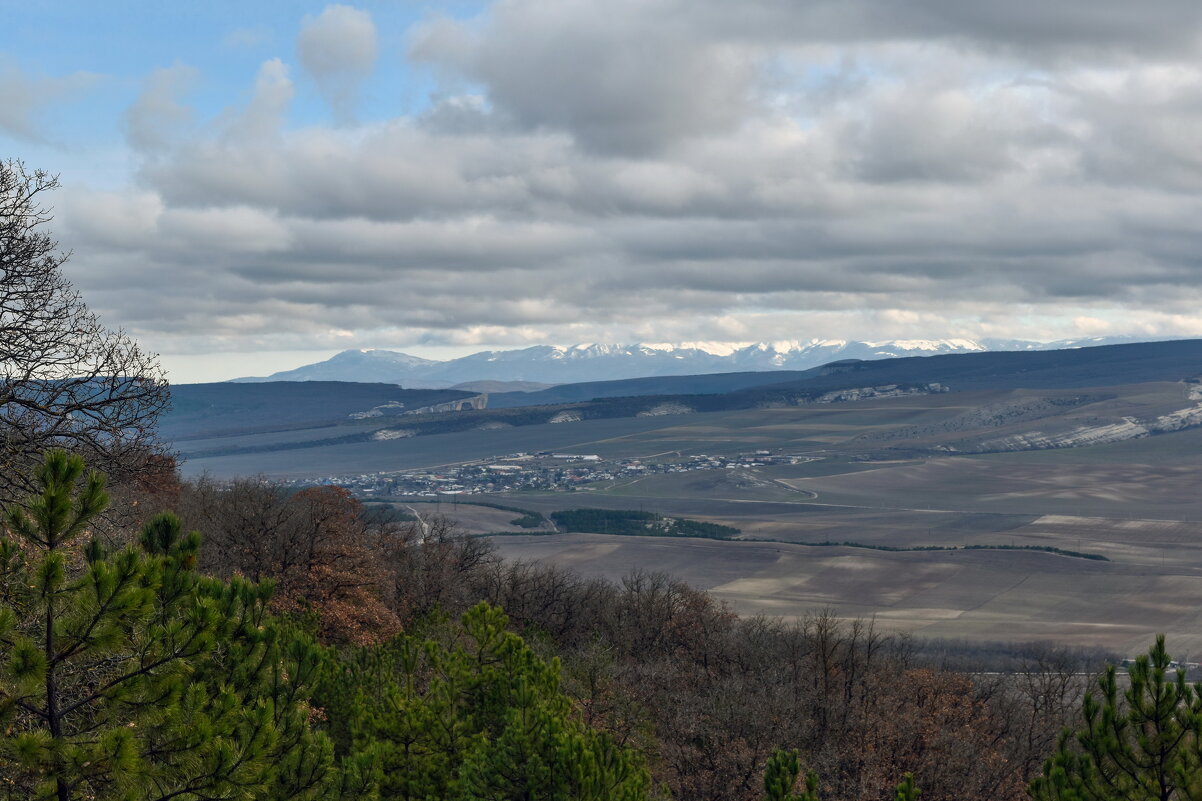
1106 365
710 384
209 410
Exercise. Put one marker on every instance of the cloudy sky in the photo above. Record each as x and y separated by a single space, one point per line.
249 186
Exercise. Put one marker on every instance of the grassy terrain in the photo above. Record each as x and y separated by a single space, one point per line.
794 428
606 437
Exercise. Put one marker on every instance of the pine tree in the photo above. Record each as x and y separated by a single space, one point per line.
128 676
1142 744
780 778
906 791
783 768
483 718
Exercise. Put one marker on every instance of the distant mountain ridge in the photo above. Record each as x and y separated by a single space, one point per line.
378 412
553 364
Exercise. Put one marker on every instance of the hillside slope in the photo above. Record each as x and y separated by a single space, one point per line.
207 410
1106 365
706 384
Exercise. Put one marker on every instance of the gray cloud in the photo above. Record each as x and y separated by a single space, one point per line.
337 48
24 96
155 120
620 78
1079 29
259 122
637 76
661 170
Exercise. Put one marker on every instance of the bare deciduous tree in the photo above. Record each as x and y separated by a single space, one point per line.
65 379
318 545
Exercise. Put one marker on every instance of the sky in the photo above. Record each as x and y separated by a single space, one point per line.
247 187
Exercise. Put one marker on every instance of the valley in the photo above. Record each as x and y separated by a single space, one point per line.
835 492
515 400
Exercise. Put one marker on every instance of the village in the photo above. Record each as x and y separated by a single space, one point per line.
544 471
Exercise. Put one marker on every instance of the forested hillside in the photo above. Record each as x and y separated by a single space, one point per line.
302 647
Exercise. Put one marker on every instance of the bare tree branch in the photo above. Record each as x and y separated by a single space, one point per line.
65 379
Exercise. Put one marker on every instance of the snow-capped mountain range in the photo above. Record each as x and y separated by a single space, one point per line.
554 364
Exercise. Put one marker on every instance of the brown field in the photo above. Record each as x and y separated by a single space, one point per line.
984 483
982 595
1136 503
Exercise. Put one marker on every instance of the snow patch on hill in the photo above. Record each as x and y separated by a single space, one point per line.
1081 436
594 361
393 433
666 408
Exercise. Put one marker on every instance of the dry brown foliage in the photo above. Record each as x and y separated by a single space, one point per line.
317 545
